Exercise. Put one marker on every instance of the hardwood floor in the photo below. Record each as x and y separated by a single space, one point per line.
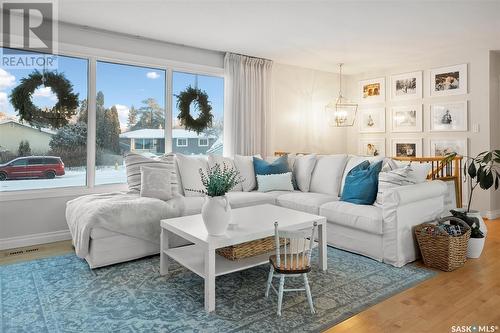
467 296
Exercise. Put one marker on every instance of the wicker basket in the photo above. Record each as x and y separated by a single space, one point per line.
443 252
249 249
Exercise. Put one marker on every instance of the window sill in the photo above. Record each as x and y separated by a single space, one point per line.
59 192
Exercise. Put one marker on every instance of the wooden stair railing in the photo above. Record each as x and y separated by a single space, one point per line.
451 171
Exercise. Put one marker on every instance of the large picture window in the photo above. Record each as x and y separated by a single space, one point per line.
210 140
130 116
41 154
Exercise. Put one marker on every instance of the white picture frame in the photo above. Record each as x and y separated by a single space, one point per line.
448 117
406 86
372 91
371 146
406 118
448 81
371 120
442 146
406 147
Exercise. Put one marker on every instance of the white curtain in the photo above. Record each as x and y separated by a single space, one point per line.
247 89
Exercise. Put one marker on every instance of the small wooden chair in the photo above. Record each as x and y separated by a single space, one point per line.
293 260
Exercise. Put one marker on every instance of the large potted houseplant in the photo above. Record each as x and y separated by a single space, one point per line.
483 171
216 211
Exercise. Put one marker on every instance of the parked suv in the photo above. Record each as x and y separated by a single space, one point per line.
32 167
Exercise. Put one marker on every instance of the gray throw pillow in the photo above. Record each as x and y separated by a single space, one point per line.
134 162
155 183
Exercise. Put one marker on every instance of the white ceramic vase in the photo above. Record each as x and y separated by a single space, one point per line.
475 247
216 213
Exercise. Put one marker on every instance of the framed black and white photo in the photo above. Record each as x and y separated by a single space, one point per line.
447 81
368 146
442 147
407 147
372 91
445 117
371 120
406 86
407 118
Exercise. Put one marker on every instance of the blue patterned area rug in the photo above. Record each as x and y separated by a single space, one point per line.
61 294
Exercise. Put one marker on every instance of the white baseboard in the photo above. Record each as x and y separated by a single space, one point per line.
34 239
492 214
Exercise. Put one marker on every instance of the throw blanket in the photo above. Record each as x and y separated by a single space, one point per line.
121 212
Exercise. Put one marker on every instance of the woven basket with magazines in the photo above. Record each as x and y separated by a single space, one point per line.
248 249
440 249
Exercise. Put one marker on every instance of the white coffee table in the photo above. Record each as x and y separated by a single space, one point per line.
253 223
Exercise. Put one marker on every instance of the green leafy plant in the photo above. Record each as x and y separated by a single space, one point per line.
482 170
218 180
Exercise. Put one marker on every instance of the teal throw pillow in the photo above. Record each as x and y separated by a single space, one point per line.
263 167
361 184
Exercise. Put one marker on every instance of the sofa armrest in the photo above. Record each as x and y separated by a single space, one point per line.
410 193
405 207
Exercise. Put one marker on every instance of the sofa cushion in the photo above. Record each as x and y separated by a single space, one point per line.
189 168
302 170
244 164
224 161
245 199
361 217
308 202
327 174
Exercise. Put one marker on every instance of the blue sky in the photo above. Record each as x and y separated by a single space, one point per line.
122 85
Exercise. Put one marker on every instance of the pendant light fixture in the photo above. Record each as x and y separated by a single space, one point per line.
342 111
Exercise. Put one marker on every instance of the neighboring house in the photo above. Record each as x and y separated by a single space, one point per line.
153 141
13 132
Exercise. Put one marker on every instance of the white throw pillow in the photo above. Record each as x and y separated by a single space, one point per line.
302 170
189 168
155 183
391 179
229 162
244 164
275 182
418 171
327 174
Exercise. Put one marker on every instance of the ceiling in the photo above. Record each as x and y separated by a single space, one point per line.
365 35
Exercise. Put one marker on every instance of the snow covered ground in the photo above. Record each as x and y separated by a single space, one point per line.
75 177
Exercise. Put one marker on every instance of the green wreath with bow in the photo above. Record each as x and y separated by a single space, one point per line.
56 117
200 98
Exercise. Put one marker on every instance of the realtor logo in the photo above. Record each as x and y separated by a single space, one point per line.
29 34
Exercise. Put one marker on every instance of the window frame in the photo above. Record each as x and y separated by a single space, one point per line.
199 142
92 55
179 145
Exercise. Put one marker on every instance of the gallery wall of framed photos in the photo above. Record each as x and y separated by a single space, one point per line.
414 114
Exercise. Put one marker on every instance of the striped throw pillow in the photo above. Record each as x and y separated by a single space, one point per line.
134 162
391 179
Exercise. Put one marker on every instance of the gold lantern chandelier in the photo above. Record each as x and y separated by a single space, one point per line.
342 111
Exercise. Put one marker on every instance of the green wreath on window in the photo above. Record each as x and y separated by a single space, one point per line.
200 98
56 117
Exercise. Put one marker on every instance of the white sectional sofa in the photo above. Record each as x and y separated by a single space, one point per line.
383 233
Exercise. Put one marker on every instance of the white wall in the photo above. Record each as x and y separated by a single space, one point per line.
495 119
299 122
41 213
478 104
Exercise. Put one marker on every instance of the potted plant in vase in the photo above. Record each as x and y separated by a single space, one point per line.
216 211
483 171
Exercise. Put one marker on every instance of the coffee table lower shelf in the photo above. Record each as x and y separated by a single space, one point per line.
193 258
